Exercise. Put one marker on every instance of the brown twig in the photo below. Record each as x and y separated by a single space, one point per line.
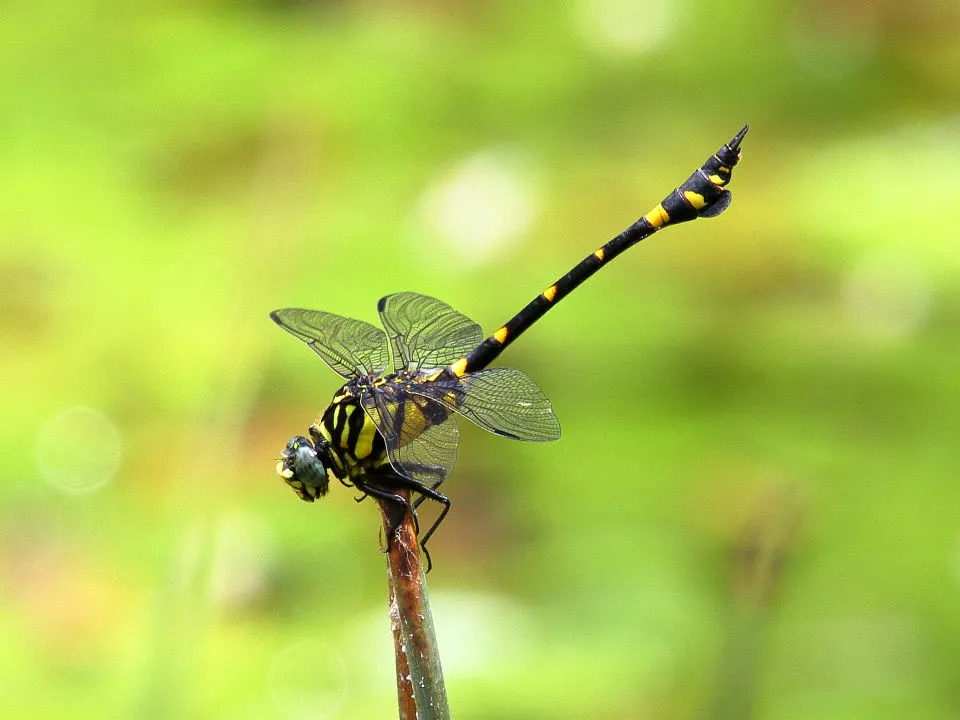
421 693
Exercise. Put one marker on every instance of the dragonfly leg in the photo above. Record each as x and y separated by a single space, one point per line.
443 500
427 491
423 471
396 499
423 496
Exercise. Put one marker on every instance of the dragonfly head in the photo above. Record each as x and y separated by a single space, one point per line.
302 468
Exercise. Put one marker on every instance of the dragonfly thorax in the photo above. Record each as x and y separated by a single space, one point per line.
355 447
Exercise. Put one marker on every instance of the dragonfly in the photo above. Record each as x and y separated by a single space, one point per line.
391 430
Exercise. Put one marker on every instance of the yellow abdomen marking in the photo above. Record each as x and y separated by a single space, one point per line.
695 199
459 367
501 335
657 217
717 180
599 254
550 293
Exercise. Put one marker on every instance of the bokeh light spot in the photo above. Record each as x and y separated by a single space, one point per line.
483 632
78 450
243 562
481 204
626 27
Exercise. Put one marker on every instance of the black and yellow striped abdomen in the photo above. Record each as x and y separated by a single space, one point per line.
704 194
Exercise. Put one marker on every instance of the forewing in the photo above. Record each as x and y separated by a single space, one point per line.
350 347
421 435
504 401
425 332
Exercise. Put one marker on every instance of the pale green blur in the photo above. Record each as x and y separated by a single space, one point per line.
755 504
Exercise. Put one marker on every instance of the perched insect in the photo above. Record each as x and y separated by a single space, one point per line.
385 431
392 426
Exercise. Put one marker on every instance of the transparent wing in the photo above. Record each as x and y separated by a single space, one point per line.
420 434
504 401
350 347
425 332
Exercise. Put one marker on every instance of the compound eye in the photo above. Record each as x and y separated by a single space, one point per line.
303 470
294 443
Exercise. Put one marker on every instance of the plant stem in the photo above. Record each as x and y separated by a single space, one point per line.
406 701
421 694
761 554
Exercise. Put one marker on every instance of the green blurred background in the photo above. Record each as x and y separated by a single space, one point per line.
755 506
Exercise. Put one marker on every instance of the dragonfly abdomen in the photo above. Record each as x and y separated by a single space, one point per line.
703 194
